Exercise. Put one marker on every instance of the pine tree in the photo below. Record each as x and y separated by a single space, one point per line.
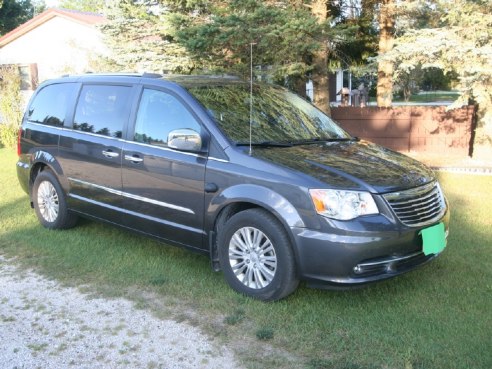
141 39
94 6
294 39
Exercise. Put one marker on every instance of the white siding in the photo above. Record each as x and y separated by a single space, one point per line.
58 46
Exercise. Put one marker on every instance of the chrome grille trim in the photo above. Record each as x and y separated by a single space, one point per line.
418 206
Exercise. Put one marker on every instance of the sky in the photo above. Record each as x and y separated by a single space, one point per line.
51 3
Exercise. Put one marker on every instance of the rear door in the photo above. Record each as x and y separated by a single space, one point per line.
164 188
91 153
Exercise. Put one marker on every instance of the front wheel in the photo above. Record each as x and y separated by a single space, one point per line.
49 202
256 256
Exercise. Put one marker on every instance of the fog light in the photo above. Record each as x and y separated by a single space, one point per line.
357 269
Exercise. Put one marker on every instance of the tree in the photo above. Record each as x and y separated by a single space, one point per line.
13 13
141 38
11 105
319 74
386 38
221 39
94 6
364 45
295 39
460 43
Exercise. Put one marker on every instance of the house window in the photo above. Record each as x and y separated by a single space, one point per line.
29 76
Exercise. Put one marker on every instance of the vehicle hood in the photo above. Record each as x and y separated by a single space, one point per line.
351 165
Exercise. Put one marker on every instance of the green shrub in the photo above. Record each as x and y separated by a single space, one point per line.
10 105
264 334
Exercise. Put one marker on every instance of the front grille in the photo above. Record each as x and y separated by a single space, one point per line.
418 206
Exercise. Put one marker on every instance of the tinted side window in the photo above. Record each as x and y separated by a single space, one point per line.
102 110
50 104
158 114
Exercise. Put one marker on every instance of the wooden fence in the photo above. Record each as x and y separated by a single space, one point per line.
411 128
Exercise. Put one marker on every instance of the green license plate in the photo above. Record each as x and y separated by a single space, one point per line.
434 239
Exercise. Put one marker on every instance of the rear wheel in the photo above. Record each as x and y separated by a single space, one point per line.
49 202
256 256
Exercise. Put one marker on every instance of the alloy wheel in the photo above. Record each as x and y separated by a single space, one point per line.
48 201
252 257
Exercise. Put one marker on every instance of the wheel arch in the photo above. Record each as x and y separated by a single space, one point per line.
243 197
41 161
264 270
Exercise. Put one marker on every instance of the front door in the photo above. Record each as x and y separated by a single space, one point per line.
163 187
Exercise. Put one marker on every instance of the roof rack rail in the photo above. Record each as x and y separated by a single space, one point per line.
141 75
151 75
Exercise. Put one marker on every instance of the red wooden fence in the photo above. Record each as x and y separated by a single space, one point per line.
410 128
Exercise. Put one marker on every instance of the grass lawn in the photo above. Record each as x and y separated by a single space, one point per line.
436 317
431 96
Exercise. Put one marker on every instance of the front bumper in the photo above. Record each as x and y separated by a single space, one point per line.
353 258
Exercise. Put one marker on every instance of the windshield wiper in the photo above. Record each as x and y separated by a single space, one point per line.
316 140
308 141
265 144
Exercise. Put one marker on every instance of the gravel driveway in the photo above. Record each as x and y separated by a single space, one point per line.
45 325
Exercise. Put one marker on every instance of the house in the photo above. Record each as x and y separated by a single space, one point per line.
55 42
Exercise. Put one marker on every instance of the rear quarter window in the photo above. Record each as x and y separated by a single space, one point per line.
50 104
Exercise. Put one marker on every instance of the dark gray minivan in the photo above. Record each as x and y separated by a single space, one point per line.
274 195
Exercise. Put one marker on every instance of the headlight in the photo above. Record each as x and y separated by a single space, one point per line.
343 205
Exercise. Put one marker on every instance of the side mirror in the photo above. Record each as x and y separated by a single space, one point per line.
184 140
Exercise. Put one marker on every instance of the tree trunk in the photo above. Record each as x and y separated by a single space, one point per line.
386 38
300 87
321 92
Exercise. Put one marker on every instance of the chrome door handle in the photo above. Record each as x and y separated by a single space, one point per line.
110 154
133 159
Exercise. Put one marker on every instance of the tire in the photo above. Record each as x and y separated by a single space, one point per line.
49 202
256 256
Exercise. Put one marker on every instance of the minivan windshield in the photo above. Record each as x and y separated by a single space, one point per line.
279 116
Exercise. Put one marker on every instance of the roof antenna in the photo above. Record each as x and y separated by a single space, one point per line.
250 95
